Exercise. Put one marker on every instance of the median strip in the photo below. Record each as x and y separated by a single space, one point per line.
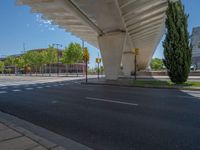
111 101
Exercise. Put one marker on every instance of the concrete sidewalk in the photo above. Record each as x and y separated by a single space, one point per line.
19 139
18 134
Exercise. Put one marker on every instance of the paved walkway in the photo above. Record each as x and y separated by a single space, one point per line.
29 80
20 139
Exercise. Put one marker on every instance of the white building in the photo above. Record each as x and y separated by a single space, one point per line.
195 41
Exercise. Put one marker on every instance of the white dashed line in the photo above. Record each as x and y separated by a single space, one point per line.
3 88
53 102
29 88
3 92
16 90
111 101
39 87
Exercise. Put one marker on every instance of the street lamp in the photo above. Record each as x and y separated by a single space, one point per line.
57 45
136 52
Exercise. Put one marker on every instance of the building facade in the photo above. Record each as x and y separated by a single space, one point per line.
195 41
59 67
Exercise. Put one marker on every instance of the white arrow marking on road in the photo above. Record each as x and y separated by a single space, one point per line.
111 101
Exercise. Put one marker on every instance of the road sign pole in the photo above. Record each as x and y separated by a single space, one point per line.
86 78
135 66
98 70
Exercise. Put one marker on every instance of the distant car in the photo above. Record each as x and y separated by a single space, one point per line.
193 67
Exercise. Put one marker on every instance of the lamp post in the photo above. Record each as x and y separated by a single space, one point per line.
136 52
57 45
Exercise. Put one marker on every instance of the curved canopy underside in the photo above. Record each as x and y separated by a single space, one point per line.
142 20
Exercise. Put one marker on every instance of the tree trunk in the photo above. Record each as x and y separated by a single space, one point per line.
66 70
49 69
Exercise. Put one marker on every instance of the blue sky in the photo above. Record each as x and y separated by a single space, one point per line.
19 26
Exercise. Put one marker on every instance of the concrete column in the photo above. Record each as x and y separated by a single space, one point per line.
128 63
111 47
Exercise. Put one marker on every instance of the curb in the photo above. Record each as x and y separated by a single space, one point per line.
138 86
44 137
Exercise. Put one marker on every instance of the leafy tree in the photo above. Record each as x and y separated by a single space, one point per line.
10 62
177 52
2 66
157 64
29 59
86 58
51 56
39 59
72 54
86 55
19 62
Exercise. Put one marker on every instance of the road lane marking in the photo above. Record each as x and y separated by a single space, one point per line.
53 102
2 88
111 101
189 97
39 87
16 90
29 88
3 92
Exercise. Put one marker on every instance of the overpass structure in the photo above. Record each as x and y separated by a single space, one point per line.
116 27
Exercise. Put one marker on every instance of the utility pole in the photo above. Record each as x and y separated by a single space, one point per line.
57 45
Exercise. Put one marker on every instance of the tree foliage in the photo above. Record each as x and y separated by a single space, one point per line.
86 55
51 55
20 62
157 64
2 65
72 54
10 61
177 52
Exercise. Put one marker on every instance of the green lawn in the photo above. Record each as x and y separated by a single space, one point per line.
157 83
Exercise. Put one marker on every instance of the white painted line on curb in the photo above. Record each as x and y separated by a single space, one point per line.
111 101
3 92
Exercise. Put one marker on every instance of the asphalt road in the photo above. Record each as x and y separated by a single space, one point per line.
110 118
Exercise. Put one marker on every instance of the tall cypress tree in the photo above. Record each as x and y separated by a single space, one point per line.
177 50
